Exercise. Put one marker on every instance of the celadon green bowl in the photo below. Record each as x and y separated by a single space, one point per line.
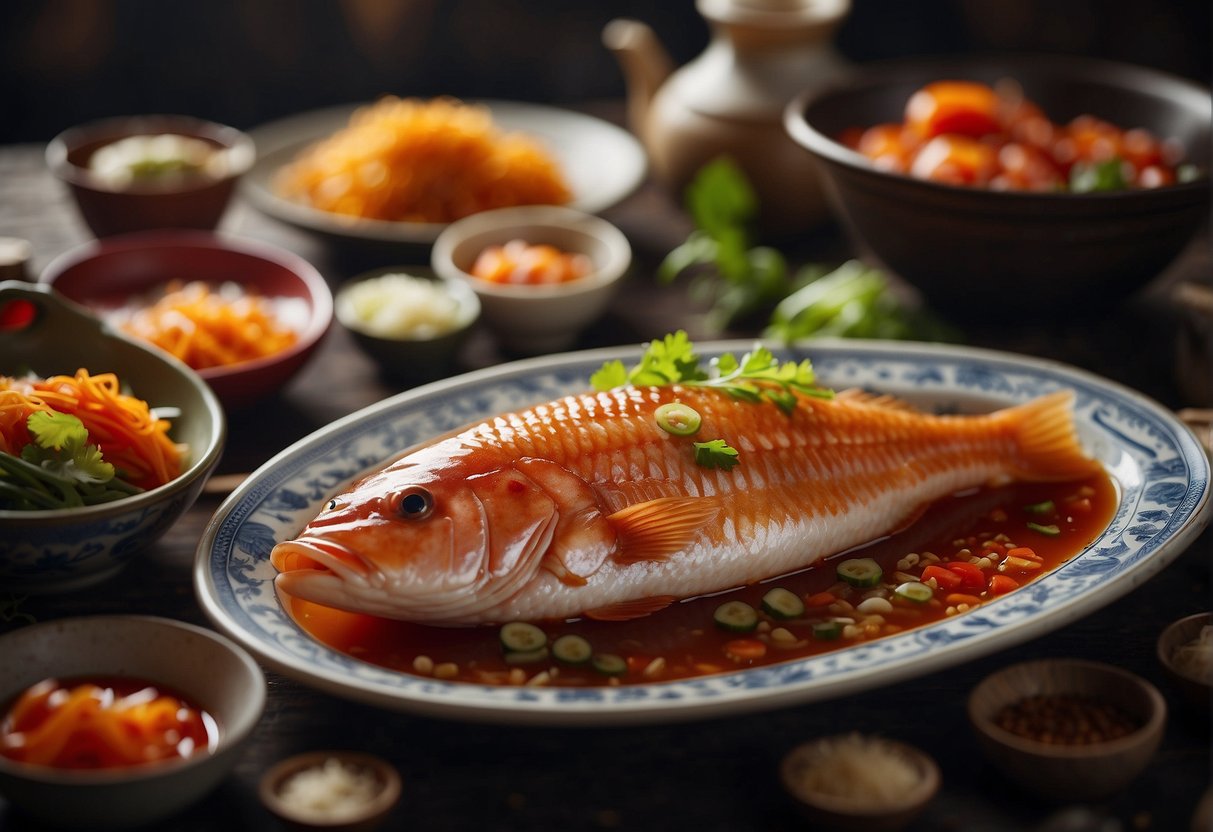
65 549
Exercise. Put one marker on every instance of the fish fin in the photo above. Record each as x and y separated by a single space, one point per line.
857 395
1047 439
656 529
627 610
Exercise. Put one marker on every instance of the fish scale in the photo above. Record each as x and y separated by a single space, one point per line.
592 509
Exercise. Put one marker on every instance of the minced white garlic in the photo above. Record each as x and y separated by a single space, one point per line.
1195 658
332 791
399 306
853 766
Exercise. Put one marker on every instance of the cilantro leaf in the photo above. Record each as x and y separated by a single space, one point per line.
715 453
56 431
611 374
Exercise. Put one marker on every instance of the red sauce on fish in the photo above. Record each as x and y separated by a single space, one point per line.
968 549
103 722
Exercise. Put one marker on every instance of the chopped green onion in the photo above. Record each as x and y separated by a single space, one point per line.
782 604
862 572
914 591
678 418
1050 530
1045 507
571 649
827 630
521 637
736 617
608 664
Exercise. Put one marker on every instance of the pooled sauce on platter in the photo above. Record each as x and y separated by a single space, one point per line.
965 550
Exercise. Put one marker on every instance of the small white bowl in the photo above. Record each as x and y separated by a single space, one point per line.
532 320
203 666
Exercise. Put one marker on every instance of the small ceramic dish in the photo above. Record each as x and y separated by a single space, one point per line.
205 668
106 274
411 322
1073 691
309 791
535 319
907 777
1177 653
975 249
61 550
110 206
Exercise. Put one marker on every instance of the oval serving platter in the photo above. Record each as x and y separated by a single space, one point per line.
602 163
1161 471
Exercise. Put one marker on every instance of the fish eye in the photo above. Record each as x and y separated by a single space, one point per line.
415 503
332 505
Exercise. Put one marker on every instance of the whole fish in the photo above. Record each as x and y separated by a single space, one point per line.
585 506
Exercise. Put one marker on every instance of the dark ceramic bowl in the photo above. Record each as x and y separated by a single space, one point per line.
1196 691
104 274
361 818
405 358
198 202
971 249
65 549
1062 772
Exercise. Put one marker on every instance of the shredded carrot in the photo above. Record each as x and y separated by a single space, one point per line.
422 161
130 438
205 329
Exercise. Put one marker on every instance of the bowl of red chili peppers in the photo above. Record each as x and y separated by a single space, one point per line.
1040 184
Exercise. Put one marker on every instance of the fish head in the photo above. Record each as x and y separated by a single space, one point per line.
434 537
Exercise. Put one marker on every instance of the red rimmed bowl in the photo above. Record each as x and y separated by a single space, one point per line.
106 274
109 208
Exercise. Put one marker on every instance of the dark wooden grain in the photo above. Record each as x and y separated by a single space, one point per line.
715 775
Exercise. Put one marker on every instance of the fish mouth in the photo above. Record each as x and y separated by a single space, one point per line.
309 554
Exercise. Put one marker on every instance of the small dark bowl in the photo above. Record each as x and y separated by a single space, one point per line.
365 819
971 249
106 273
197 203
1197 693
411 360
1069 773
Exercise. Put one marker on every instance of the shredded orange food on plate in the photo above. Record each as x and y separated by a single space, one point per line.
422 161
206 329
129 435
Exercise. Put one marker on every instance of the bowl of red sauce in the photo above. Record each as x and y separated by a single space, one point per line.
117 721
244 314
542 273
1039 184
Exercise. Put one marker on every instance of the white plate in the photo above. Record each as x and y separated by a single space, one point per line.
602 164
1162 473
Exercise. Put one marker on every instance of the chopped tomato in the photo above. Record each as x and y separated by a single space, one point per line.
890 146
820 599
971 576
945 579
965 108
1002 584
955 160
745 649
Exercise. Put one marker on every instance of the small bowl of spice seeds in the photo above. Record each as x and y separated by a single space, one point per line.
1068 729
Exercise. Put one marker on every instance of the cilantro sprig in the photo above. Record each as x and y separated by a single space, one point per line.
756 377
58 469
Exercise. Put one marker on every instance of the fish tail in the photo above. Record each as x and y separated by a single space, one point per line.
1047 439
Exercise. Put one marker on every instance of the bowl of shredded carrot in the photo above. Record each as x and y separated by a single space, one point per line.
246 315
104 442
118 721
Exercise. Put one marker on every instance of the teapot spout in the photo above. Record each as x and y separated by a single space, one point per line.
645 64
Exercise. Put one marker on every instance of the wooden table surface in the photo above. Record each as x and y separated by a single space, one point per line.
714 775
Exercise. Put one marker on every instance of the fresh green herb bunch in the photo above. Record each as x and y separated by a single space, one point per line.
734 277
58 469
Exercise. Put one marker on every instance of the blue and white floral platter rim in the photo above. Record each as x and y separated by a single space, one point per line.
1161 470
